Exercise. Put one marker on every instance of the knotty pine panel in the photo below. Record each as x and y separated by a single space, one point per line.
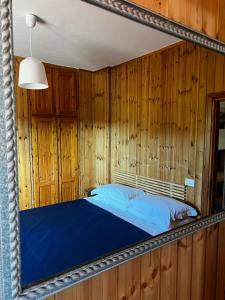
23 144
179 270
65 88
85 132
205 16
68 158
158 105
45 161
100 98
43 101
93 135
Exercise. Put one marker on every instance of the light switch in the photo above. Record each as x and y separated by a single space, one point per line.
190 182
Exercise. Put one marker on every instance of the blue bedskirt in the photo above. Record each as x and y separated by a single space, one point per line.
59 237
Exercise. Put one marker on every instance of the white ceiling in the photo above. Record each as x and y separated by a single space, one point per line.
76 34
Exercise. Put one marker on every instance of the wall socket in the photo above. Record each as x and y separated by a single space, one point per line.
189 182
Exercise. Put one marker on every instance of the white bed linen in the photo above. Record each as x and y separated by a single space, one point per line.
125 214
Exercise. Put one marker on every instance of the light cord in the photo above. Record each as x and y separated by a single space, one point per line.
31 54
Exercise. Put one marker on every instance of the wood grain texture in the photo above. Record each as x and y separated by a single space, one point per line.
45 161
65 92
220 280
85 132
47 146
93 129
158 113
43 101
67 158
23 143
156 107
180 270
204 16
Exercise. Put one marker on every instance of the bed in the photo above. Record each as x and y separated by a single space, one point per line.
59 237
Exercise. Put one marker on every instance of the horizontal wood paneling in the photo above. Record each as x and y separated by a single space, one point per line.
180 270
158 113
205 16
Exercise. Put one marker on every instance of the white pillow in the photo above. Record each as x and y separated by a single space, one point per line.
160 210
118 192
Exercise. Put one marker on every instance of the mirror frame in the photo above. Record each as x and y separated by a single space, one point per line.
9 216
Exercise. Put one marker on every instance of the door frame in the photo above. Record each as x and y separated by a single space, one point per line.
210 145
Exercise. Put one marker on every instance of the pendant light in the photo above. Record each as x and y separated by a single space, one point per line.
32 73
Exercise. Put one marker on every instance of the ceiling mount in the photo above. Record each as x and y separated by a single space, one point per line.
32 73
31 20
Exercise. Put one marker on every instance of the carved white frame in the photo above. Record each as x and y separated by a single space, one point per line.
10 287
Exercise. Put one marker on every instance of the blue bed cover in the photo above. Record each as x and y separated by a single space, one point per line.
59 237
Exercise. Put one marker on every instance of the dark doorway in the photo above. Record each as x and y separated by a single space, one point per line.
214 158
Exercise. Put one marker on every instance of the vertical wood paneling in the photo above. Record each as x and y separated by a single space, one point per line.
38 164
157 117
85 132
206 16
104 286
184 259
150 275
132 89
129 280
45 161
168 272
43 101
220 279
198 265
220 20
100 106
210 266
23 144
65 92
68 159
187 269
79 292
93 129
158 113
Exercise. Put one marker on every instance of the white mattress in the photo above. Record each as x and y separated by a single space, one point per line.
126 215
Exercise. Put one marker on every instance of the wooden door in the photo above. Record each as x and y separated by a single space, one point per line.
67 151
65 85
42 101
45 160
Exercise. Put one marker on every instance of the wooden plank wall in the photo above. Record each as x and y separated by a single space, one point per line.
93 131
93 127
23 143
158 113
50 104
192 268
157 119
205 16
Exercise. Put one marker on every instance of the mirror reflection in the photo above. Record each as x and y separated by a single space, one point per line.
111 133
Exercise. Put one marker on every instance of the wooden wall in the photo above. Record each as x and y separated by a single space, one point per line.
158 113
93 142
23 143
156 110
91 111
192 268
47 139
205 16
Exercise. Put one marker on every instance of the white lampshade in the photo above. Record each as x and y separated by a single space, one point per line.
32 74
